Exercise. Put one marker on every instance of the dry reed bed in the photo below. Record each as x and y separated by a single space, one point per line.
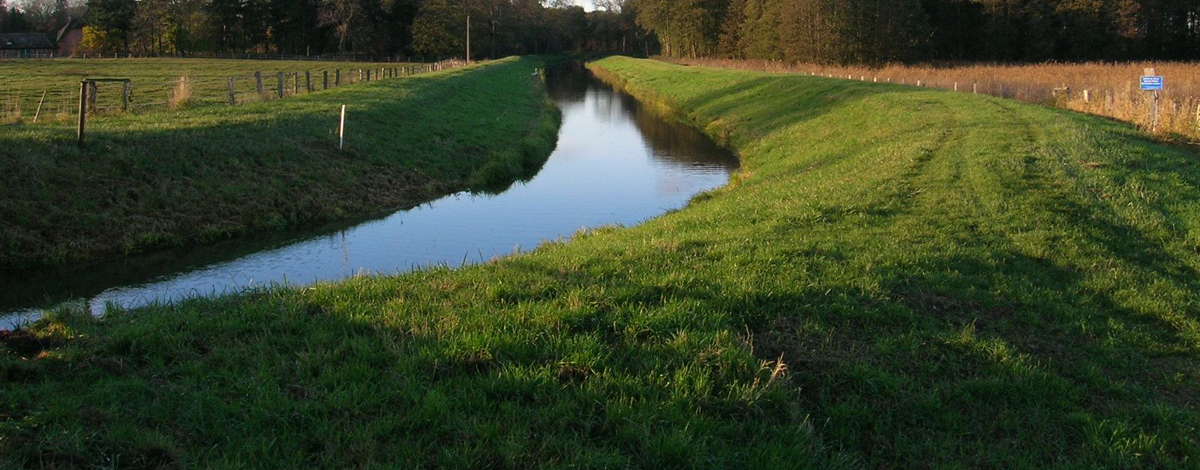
1104 89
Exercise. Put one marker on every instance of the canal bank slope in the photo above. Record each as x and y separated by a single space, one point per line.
191 176
898 278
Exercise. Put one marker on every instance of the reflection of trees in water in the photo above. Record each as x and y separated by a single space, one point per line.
567 84
674 142
671 142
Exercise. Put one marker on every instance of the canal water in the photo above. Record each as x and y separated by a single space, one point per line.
616 163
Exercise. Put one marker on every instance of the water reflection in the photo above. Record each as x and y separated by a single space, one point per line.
616 163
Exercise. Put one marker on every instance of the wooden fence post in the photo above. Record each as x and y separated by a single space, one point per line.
337 77
342 129
326 81
39 109
93 92
1154 98
258 83
83 100
308 81
360 75
280 91
295 83
232 93
126 89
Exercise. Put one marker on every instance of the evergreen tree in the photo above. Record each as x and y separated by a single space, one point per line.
113 19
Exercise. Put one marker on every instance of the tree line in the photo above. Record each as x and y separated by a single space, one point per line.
880 31
37 15
398 28
820 31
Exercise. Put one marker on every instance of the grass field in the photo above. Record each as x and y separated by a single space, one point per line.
171 178
898 278
154 81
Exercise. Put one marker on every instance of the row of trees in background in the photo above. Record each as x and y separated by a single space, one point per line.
37 15
430 28
821 31
879 31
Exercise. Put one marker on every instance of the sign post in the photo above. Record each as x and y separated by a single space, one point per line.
1153 83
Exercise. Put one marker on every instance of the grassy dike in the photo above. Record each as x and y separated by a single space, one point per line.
899 278
174 178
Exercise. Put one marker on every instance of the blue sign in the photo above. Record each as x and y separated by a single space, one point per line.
1152 83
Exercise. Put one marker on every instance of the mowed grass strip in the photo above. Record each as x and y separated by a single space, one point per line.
154 180
899 278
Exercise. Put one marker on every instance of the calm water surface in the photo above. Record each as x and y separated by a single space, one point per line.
616 163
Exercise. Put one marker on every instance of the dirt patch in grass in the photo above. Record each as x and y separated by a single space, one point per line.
25 344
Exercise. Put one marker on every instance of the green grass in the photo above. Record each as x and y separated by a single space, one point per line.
899 278
153 81
152 180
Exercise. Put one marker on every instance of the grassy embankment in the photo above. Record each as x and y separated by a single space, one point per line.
899 278
161 179
1109 89
154 81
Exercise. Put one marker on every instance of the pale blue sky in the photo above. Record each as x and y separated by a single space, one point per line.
587 4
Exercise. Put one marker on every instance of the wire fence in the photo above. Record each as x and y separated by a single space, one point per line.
60 102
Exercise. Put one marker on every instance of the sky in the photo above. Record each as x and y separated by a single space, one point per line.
586 4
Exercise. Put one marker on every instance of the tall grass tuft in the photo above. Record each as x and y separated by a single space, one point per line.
181 95
1107 89
11 112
